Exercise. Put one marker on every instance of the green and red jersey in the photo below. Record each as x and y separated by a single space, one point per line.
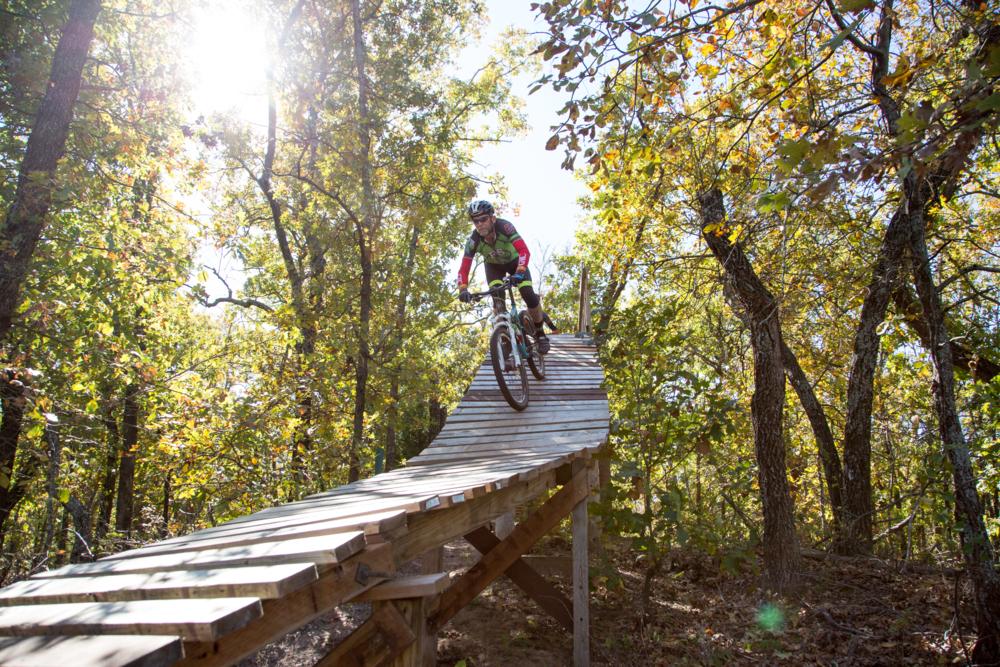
506 247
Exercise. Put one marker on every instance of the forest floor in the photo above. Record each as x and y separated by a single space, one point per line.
849 612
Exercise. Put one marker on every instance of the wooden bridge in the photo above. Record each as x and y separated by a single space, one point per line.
220 594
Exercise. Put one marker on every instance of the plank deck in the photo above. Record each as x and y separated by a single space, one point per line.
123 651
205 586
201 620
266 582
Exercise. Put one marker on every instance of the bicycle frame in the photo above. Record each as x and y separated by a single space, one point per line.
511 319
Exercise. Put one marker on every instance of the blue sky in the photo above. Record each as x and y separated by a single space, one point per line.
545 194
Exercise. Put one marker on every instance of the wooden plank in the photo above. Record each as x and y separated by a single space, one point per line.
528 580
432 529
204 620
495 395
501 407
512 432
334 586
488 451
416 586
446 458
467 422
273 581
497 560
123 651
409 502
326 549
495 447
583 431
243 535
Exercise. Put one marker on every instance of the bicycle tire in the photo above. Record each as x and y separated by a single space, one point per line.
536 361
497 339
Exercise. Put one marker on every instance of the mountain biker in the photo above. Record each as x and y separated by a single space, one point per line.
504 253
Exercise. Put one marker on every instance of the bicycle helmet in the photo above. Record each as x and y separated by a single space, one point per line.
480 207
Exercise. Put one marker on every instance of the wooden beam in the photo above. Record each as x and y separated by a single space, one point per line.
525 534
119 651
528 580
203 620
417 586
325 549
432 529
268 582
375 642
335 585
581 586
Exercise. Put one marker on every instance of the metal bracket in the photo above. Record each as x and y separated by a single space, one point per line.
365 573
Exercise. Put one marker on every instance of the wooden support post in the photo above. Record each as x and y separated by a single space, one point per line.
432 561
581 587
525 534
385 635
423 651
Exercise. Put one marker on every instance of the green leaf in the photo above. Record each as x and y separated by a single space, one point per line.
64 495
989 104
854 6
777 201
841 36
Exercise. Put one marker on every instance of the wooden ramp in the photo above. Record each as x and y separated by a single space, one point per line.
217 595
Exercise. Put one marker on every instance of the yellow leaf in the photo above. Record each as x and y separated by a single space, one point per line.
707 49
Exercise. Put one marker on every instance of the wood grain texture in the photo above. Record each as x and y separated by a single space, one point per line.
203 620
122 651
273 581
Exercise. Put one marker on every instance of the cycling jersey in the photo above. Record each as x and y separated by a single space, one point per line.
507 247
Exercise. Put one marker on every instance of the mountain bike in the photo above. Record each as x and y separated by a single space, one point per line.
512 345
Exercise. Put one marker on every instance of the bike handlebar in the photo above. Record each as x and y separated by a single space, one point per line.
493 291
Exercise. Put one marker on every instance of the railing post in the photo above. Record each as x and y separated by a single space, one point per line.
583 322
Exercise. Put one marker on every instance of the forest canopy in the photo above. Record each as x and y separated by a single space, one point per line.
791 239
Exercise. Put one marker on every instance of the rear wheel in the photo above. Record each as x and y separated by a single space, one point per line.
513 381
536 360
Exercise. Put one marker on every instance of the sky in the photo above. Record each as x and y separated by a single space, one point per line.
227 63
545 196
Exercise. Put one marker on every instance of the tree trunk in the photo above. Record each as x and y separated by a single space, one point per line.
976 547
825 444
14 478
982 369
781 551
54 451
26 216
109 483
125 507
366 233
391 446
81 530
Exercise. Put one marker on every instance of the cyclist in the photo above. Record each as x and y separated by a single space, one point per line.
504 253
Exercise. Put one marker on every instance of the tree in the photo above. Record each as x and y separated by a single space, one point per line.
26 215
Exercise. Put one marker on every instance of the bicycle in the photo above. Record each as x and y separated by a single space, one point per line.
508 360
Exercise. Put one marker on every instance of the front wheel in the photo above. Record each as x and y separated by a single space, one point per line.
512 380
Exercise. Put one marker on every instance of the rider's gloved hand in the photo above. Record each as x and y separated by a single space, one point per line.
517 278
464 296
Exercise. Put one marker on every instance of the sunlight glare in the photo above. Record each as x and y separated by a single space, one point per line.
227 58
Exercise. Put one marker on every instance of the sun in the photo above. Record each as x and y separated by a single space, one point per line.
226 57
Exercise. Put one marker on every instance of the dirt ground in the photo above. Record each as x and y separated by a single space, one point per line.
849 612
